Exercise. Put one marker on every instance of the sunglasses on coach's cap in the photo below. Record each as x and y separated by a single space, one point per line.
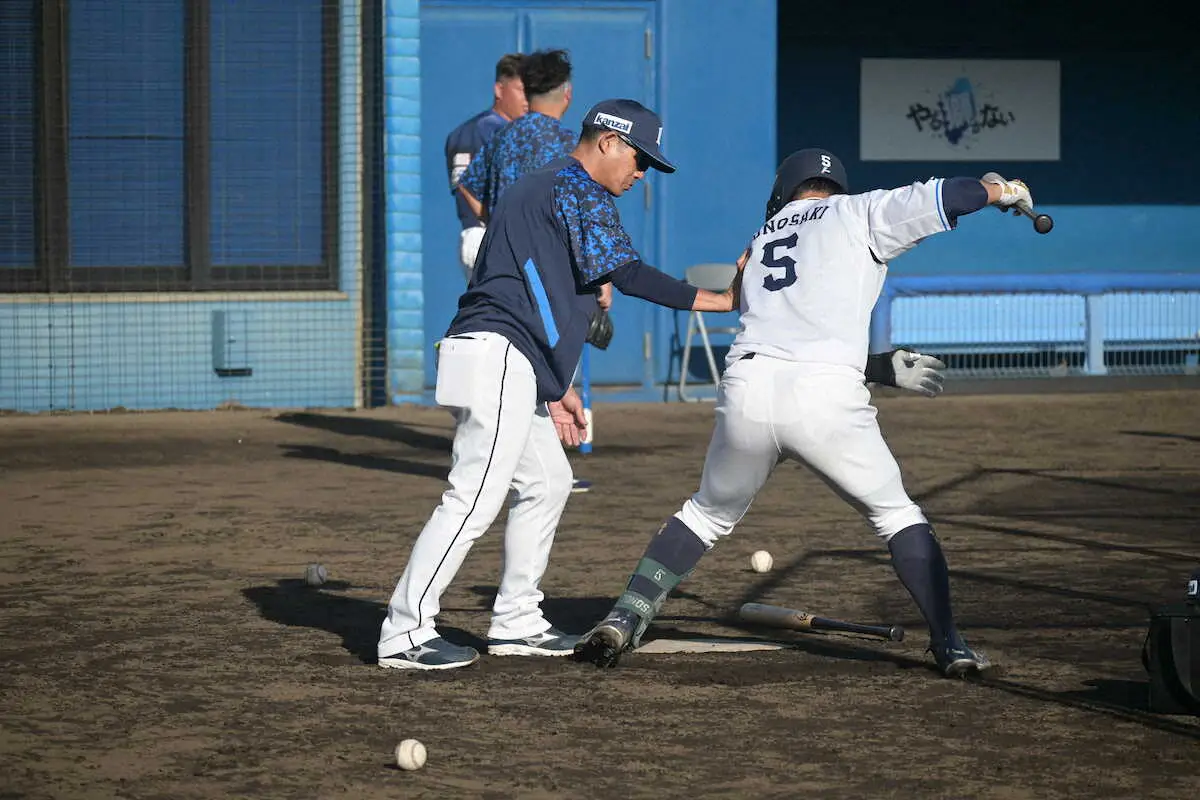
638 127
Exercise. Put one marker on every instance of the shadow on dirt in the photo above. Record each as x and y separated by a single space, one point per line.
387 430
403 466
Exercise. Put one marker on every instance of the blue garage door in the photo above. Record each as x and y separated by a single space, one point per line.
611 55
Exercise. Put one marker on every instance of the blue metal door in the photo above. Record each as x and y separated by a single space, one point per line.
460 45
611 56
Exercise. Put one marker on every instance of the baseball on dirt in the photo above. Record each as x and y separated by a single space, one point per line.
410 754
315 574
761 561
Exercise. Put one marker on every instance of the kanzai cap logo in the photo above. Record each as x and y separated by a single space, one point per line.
638 124
615 123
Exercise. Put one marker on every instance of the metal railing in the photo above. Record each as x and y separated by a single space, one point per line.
1046 325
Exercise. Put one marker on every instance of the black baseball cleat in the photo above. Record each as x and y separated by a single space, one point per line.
960 661
603 644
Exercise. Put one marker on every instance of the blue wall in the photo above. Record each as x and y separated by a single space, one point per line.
461 42
1122 194
718 126
719 105
151 350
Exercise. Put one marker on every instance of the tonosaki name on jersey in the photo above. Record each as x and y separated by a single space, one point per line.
816 269
780 222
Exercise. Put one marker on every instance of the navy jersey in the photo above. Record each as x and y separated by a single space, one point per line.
551 241
461 146
520 147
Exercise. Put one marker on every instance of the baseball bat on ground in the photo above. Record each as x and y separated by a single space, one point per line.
779 617
1042 223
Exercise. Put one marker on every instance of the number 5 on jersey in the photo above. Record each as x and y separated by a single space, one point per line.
788 264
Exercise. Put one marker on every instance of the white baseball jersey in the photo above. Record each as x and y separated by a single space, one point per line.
816 269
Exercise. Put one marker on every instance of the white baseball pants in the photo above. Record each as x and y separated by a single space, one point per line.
821 415
503 440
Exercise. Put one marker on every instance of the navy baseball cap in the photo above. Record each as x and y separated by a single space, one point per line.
813 162
638 125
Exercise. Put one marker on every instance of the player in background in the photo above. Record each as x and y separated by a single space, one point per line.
528 143
465 141
794 387
505 368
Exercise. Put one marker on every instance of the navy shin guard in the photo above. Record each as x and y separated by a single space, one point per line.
919 563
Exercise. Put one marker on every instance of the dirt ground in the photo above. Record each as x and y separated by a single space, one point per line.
157 641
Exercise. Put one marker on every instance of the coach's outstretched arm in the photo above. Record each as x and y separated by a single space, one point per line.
639 279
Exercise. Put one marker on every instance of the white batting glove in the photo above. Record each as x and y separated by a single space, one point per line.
1012 193
468 246
918 373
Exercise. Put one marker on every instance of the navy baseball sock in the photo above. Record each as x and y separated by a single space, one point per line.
669 558
919 563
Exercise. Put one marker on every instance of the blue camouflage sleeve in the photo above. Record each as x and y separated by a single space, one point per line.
475 178
595 237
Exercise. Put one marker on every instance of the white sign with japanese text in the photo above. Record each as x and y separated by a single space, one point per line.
959 110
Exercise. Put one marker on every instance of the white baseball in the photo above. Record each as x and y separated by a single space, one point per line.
315 574
761 561
410 754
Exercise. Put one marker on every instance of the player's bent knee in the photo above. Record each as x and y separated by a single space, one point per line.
707 527
887 524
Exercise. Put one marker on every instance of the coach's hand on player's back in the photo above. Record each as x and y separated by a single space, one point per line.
919 373
1008 195
569 420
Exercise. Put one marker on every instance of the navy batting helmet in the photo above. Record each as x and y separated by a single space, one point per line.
801 165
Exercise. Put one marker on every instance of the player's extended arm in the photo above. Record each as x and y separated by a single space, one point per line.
963 196
1012 195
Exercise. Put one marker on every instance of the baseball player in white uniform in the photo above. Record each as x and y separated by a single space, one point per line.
795 387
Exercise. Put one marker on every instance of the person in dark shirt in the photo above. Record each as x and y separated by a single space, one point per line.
465 141
527 143
505 368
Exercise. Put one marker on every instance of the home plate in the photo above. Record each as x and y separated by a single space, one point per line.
661 646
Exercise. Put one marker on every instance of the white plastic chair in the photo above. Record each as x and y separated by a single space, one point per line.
715 278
